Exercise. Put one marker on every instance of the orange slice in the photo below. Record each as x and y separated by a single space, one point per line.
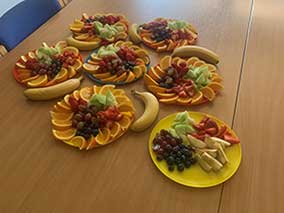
91 68
31 55
208 93
103 137
139 61
121 77
96 89
118 92
106 88
211 68
77 141
61 115
95 58
128 114
124 123
153 74
92 143
166 62
76 94
71 49
217 79
199 63
71 72
20 65
60 109
102 75
215 86
175 60
109 79
78 64
180 61
162 48
24 59
75 29
171 45
169 100
126 107
192 60
62 75
66 100
122 99
61 124
30 79
137 71
131 77
115 130
156 89
197 97
159 71
38 82
82 37
184 101
64 105
166 95
65 134
150 81
86 93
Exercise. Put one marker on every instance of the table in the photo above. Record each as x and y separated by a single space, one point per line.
40 175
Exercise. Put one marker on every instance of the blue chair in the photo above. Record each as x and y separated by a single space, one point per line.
23 19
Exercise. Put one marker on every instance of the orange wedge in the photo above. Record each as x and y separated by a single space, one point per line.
75 29
184 101
162 48
115 130
92 143
117 92
71 72
91 68
106 88
77 141
30 79
64 105
95 58
165 95
171 45
109 79
20 65
153 74
131 77
66 100
31 55
121 77
139 61
65 134
86 93
192 60
169 100
216 79
215 86
158 44
92 62
40 81
156 89
71 49
128 114
61 115
211 68
96 89
62 75
124 123
137 71
199 63
102 75
61 124
103 137
76 94
126 107
197 97
159 71
166 62
78 64
141 53
24 59
60 109
122 99
150 81
208 93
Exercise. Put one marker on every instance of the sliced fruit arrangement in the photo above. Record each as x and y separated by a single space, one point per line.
163 34
188 141
92 116
119 63
48 66
183 81
91 32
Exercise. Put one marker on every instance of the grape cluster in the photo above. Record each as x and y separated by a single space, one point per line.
173 151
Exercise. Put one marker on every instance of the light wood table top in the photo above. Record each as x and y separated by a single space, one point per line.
37 174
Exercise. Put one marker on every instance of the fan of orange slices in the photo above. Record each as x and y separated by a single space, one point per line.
79 123
90 32
48 66
183 81
119 63
166 34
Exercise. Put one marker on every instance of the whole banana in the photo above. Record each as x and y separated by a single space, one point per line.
134 36
54 91
150 113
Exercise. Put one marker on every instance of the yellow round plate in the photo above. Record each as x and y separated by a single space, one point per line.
195 176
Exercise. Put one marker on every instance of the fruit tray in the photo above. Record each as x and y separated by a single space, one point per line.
195 149
92 116
91 32
183 81
120 63
48 66
163 34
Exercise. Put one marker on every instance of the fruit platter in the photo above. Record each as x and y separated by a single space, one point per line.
183 81
91 32
119 63
92 116
164 35
195 149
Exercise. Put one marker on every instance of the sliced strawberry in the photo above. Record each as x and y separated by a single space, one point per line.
228 137
73 103
182 94
222 131
211 131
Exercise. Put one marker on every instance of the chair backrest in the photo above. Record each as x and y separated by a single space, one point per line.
24 18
